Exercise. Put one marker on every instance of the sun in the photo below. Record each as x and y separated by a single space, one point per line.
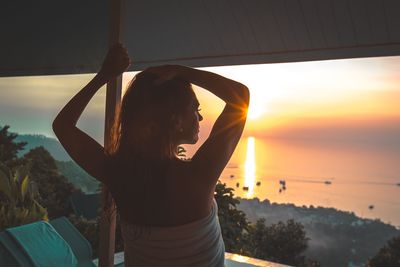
255 111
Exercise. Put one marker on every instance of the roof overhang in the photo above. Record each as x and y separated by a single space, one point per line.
68 37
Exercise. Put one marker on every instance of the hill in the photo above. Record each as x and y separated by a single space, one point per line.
78 177
50 144
75 174
337 238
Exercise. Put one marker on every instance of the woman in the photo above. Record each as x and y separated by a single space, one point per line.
166 205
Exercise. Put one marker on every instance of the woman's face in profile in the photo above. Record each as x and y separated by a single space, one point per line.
190 127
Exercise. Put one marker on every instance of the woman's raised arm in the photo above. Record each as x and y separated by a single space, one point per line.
83 149
212 157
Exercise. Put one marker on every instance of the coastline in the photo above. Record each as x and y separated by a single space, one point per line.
333 234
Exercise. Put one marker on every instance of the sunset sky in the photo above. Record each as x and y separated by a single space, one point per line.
287 100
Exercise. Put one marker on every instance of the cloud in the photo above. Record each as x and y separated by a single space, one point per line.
29 104
375 130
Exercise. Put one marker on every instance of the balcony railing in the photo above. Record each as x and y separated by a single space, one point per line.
231 260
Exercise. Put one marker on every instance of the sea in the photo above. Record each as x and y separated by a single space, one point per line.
359 177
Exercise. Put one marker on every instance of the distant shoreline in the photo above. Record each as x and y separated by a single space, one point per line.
252 205
334 235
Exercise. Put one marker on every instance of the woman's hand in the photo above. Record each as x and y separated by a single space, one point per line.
116 62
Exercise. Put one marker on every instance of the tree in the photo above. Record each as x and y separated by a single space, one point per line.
233 221
54 188
9 148
280 242
388 256
18 203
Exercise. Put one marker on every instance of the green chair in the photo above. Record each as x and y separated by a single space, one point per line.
35 245
59 241
11 254
78 243
80 246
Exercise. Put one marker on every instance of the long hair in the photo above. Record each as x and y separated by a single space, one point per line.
144 130
146 119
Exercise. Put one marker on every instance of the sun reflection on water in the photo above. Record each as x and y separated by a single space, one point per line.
250 167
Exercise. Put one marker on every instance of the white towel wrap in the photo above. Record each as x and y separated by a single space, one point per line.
198 243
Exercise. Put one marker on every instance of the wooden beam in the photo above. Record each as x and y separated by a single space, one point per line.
113 98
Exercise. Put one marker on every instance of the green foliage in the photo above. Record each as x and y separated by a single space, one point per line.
18 198
8 147
388 256
181 151
54 188
233 221
280 242
91 231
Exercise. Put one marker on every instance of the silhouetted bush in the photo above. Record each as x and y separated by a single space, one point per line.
388 256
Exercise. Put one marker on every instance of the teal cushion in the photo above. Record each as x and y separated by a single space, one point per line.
43 245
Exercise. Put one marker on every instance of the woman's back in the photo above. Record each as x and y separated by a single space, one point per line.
166 220
158 193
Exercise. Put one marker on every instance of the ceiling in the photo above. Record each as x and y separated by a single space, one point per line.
67 37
